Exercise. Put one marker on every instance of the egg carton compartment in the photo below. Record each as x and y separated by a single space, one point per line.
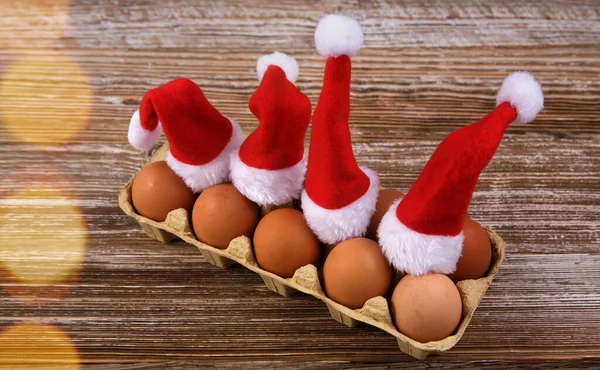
375 311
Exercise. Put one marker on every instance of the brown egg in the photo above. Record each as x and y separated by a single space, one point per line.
283 242
476 253
384 200
355 271
221 214
426 308
157 190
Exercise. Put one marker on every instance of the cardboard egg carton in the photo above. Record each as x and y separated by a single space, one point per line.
375 311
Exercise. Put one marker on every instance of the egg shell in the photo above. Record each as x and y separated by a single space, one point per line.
476 255
384 201
426 308
355 271
157 190
283 242
221 213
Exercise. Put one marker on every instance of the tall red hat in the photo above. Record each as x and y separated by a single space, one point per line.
269 167
422 232
200 138
339 197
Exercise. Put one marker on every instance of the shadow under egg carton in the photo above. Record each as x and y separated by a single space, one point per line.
375 311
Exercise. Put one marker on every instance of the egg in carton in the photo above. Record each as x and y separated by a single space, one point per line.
375 311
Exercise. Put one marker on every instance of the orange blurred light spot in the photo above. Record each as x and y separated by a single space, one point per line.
45 98
43 236
31 345
33 23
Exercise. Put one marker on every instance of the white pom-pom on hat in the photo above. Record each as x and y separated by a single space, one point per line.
139 137
338 35
524 93
288 64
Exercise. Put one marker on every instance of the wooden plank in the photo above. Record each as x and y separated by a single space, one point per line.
427 67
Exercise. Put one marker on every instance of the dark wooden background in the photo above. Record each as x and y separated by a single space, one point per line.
73 73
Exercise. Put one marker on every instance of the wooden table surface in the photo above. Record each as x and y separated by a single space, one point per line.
83 286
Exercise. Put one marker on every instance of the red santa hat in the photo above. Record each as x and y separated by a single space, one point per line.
422 232
200 138
339 196
269 167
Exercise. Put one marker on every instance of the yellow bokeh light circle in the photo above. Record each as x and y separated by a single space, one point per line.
43 236
44 98
33 23
30 345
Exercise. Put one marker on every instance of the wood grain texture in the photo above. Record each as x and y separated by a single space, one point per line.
427 67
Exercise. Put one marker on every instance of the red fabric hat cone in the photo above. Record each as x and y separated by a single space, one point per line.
339 197
269 167
200 138
422 232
